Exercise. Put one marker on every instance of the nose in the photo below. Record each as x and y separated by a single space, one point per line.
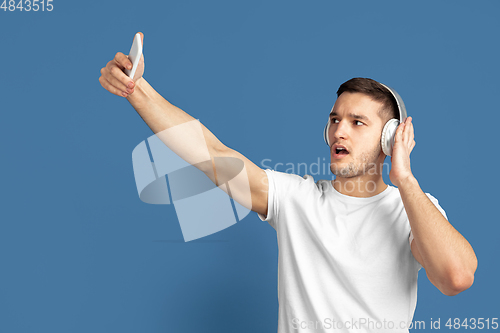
339 131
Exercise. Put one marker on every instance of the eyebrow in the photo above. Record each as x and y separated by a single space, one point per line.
352 115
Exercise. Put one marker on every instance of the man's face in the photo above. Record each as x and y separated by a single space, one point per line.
356 126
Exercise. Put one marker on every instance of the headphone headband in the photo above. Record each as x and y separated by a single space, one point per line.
399 103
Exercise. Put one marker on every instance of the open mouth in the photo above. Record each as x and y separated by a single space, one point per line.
340 151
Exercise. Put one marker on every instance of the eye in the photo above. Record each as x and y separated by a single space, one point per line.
357 121
334 120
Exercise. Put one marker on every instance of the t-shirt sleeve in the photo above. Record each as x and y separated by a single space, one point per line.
436 203
281 187
272 211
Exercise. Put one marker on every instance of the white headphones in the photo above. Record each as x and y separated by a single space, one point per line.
389 131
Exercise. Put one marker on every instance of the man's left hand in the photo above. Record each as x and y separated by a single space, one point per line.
400 159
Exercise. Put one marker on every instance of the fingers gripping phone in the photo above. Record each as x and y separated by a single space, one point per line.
134 55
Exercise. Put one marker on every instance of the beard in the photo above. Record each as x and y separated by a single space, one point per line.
358 165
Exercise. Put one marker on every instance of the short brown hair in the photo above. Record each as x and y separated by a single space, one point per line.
374 90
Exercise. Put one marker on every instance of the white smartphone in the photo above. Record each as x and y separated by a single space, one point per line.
134 55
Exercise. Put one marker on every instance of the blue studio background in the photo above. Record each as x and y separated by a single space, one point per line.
79 252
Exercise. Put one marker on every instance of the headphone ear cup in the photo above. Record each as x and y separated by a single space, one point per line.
325 133
388 135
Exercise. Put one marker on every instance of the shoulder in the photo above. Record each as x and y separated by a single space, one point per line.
289 181
435 201
432 198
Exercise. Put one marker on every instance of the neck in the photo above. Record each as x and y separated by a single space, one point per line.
361 186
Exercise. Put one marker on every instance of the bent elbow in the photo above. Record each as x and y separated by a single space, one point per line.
458 283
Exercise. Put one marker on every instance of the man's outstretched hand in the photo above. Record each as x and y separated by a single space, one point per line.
400 159
114 79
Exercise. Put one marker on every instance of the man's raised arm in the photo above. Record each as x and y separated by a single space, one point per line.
160 116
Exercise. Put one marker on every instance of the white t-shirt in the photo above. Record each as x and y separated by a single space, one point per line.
345 263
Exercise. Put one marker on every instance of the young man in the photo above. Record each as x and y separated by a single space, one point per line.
349 249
